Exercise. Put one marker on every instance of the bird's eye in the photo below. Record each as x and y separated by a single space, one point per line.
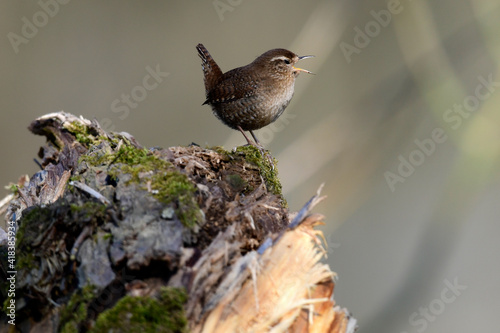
287 61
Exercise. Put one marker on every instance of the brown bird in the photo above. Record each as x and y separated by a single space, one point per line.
250 97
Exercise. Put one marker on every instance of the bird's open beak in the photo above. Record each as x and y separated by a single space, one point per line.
301 69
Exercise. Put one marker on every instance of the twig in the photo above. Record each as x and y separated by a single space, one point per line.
301 215
90 191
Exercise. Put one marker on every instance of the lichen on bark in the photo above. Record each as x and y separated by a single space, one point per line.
109 230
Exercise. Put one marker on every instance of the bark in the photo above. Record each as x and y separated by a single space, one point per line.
111 236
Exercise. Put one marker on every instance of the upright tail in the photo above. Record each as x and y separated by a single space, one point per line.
211 71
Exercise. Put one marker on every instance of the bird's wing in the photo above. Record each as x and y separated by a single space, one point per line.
235 85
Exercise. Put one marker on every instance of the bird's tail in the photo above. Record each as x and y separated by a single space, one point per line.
212 72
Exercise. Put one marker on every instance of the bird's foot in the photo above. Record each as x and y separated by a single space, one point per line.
266 154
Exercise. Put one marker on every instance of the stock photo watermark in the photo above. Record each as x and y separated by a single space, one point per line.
266 134
138 93
330 244
30 28
454 117
425 315
10 305
223 6
363 36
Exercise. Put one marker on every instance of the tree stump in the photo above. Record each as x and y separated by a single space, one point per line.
113 237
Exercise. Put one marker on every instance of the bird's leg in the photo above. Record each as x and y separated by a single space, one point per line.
255 138
250 142
256 144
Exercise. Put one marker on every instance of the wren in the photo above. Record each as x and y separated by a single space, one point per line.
253 96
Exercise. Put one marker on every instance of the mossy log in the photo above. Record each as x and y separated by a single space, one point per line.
114 237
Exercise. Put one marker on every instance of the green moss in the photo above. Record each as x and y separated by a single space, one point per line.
130 155
75 178
32 215
30 226
75 311
268 171
173 186
220 150
6 302
138 161
37 220
236 182
145 314
99 157
167 183
13 188
26 260
82 133
88 210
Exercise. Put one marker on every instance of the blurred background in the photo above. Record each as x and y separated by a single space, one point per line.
401 122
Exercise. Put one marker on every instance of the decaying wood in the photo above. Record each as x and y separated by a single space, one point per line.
95 217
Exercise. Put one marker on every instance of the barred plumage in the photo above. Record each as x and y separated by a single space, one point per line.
250 97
